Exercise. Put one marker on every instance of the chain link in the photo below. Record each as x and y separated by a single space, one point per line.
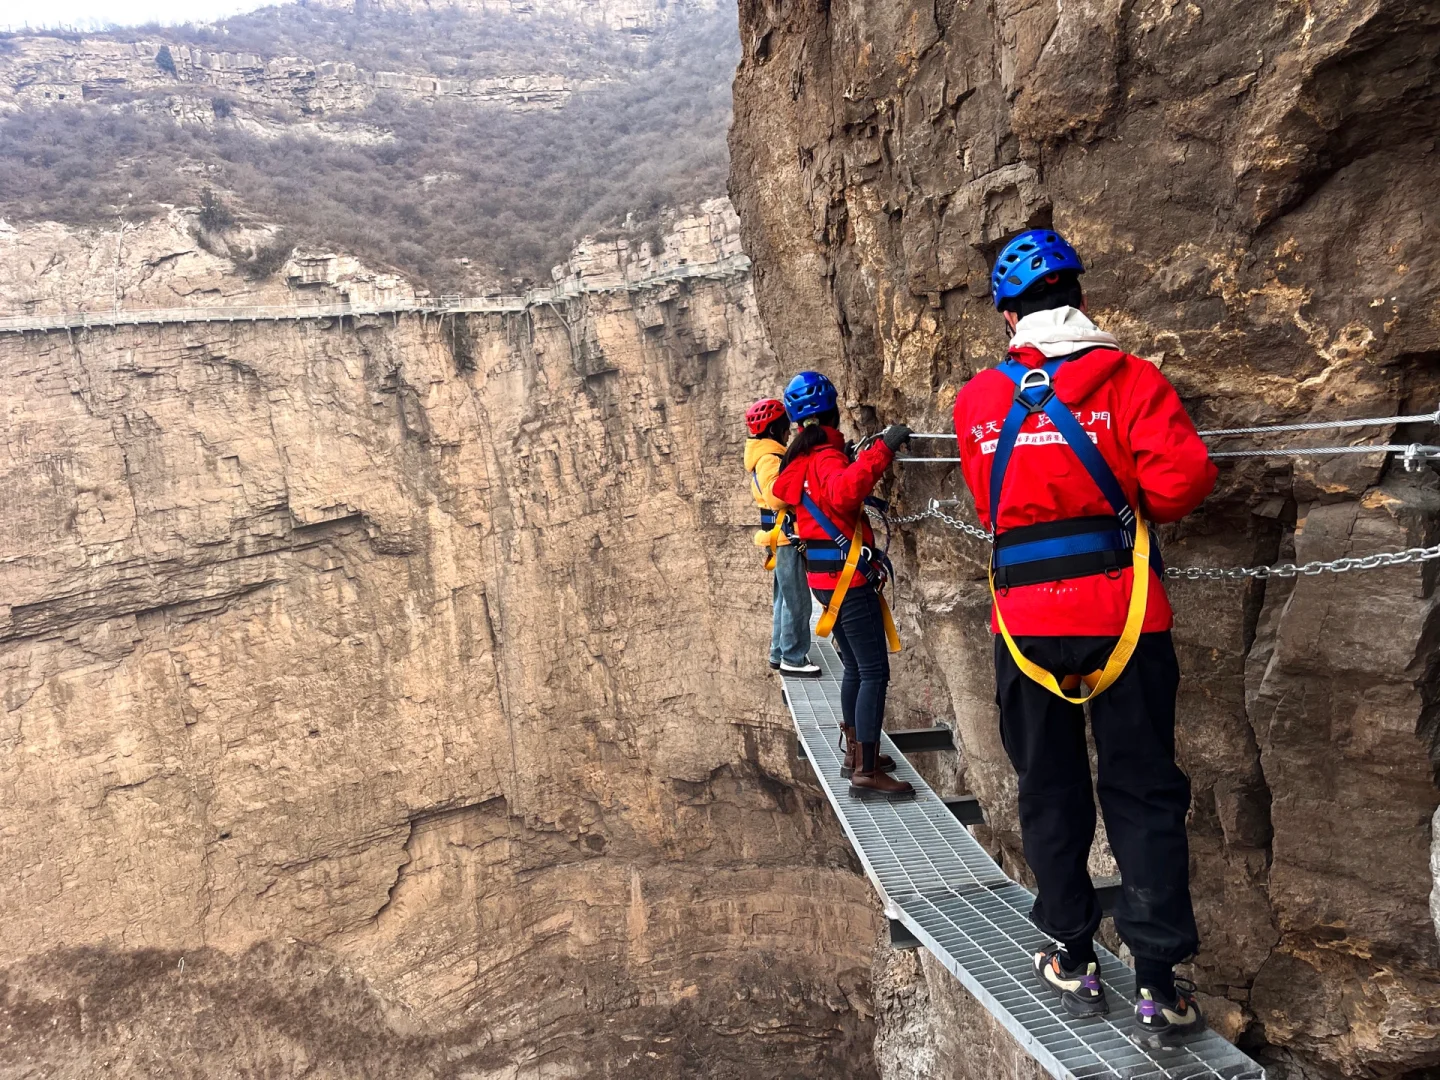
1214 573
1309 569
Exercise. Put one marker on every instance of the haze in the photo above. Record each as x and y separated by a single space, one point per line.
95 14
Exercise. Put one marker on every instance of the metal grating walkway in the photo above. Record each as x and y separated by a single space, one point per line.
937 880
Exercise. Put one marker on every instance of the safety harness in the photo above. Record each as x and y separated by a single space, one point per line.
1073 547
847 556
773 526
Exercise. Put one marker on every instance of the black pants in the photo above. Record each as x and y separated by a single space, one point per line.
860 638
1143 794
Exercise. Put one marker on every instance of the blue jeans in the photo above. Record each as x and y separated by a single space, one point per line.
790 629
860 639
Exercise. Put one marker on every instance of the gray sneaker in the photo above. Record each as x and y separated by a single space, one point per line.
1162 1021
1080 990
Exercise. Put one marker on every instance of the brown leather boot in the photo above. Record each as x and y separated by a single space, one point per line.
852 754
871 782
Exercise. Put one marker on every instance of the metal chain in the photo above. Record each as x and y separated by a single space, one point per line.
1213 573
1309 569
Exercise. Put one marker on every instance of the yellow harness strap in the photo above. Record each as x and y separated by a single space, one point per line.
770 538
1096 681
892 636
832 610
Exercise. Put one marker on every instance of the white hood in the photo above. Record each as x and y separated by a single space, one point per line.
1060 332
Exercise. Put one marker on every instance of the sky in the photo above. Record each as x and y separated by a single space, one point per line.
94 14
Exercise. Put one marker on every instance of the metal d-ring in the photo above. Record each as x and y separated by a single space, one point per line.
1034 379
1043 380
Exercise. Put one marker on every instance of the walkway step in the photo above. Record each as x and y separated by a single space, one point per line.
936 880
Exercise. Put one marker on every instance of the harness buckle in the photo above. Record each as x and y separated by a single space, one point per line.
1034 379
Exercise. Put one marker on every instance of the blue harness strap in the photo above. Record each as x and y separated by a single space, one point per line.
1080 544
821 555
1035 394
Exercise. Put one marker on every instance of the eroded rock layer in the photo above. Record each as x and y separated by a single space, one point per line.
386 698
1254 192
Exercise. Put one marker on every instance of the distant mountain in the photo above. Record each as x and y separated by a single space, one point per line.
629 15
465 144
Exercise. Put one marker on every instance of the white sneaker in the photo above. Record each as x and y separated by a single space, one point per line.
806 670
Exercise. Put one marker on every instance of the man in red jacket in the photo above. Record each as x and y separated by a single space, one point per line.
1069 526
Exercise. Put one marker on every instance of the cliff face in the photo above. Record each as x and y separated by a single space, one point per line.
1254 194
386 698
269 92
630 16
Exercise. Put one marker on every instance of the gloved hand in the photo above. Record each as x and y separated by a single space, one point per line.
895 436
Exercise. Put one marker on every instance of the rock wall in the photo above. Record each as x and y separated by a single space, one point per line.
1253 192
172 262
386 698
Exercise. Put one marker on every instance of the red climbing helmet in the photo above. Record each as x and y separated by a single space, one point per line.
762 414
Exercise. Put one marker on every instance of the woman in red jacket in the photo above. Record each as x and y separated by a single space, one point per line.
828 491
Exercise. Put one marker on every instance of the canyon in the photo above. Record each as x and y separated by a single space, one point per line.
386 697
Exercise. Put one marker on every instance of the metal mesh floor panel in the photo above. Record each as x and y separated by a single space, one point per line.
936 879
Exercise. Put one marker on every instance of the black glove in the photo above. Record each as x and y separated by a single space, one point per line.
895 436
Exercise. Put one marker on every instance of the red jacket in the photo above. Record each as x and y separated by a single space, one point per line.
838 486
1142 430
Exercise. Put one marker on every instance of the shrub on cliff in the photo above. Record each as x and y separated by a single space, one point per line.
263 262
214 216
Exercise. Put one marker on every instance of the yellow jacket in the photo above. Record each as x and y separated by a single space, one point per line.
762 465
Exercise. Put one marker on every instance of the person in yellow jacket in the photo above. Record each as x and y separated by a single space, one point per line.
790 627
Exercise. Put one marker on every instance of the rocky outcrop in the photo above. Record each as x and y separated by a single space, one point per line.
1252 193
708 233
385 697
168 262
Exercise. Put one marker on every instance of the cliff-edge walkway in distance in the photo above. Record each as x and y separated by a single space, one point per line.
569 289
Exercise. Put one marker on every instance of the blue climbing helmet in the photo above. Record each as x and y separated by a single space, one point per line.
808 394
1034 254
